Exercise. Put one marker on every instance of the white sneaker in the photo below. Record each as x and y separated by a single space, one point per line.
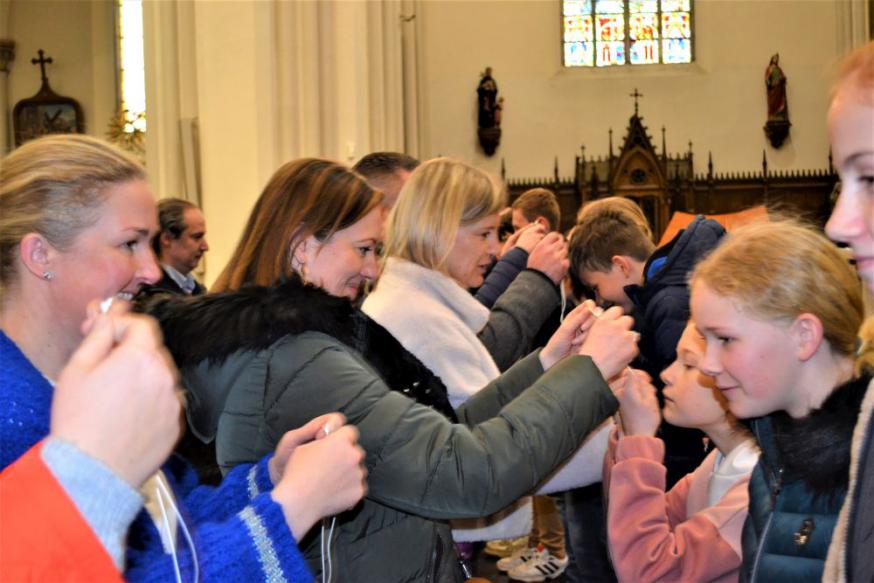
505 547
542 567
520 557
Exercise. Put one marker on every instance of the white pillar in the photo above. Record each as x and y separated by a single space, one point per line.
267 82
236 105
853 20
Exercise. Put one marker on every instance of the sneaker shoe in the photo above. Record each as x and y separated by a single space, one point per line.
518 558
505 547
542 567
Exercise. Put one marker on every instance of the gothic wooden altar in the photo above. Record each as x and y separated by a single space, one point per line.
663 183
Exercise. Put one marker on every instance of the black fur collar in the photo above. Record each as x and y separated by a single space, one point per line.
214 326
816 448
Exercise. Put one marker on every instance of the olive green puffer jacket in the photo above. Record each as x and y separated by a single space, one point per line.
422 468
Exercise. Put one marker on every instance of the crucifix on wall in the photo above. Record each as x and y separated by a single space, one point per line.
46 112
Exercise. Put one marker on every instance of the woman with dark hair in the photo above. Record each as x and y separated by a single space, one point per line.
258 359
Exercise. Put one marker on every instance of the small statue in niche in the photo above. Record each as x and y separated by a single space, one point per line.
777 126
489 109
775 83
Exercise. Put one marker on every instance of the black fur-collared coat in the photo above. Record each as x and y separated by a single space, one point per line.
798 487
260 361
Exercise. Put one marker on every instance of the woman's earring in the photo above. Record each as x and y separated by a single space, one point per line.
303 273
48 275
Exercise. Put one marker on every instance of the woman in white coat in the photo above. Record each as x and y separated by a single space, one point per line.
440 239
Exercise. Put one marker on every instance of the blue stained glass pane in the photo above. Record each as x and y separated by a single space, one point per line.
578 54
577 7
610 53
677 50
643 6
644 52
675 5
610 6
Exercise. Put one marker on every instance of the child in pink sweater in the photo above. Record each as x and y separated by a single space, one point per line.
693 532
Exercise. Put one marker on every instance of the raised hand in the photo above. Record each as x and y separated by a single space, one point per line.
610 342
529 236
116 399
569 335
321 478
317 428
526 238
550 257
638 405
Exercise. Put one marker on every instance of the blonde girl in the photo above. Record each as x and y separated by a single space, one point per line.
851 127
779 307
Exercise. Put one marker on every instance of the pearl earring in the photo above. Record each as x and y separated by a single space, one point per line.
48 275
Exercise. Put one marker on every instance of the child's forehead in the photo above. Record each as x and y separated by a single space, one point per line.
591 275
691 342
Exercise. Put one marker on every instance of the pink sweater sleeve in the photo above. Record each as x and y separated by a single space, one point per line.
650 537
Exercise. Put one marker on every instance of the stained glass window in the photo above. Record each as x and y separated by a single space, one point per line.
605 33
132 65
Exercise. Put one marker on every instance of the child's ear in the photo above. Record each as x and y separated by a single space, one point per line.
808 335
623 263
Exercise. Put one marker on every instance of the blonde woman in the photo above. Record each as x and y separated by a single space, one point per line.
76 218
439 241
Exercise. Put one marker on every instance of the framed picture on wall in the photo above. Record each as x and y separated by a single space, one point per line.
35 119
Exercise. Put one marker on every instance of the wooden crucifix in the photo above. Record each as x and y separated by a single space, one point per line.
42 61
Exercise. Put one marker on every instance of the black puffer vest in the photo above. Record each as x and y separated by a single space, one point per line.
798 487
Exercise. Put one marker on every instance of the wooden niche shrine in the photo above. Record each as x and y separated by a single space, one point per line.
46 112
663 183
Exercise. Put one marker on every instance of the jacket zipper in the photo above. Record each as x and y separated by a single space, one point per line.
775 491
432 572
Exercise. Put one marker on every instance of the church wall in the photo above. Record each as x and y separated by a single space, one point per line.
280 80
270 81
236 110
718 102
79 36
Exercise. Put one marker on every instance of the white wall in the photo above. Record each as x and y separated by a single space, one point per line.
718 102
274 81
